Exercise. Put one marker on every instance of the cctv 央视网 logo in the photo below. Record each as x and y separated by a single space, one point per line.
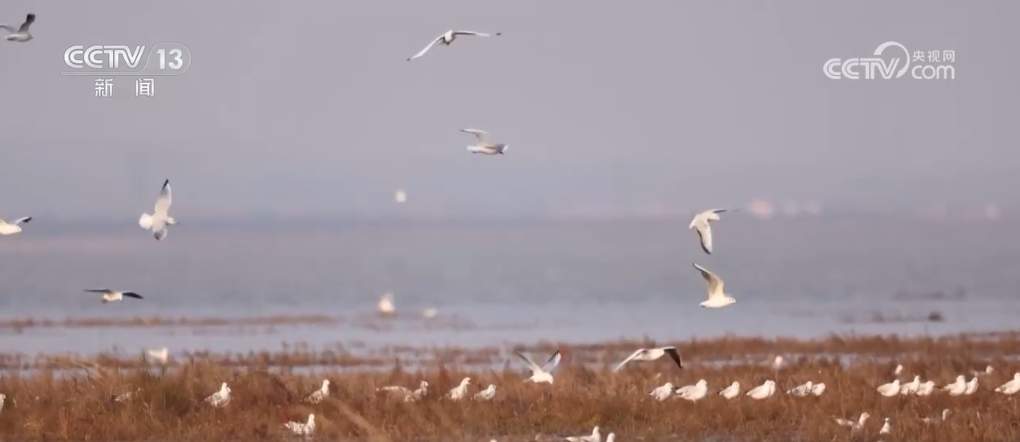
114 57
157 59
892 60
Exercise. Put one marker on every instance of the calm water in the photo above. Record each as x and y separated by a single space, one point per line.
512 282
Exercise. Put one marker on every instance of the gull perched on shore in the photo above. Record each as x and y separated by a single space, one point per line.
651 354
937 419
306 428
700 224
405 393
662 392
319 395
160 219
447 38
731 392
386 307
14 227
541 374
220 398
854 425
21 34
161 355
487 394
594 437
1010 388
957 388
114 295
483 145
458 392
889 389
763 391
717 297
694 392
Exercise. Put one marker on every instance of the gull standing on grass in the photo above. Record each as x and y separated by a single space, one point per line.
458 392
21 34
319 395
651 354
731 392
487 394
160 219
405 393
483 145
763 391
1010 388
818 389
161 355
802 390
302 429
889 389
541 374
854 426
700 224
594 437
114 295
896 371
694 392
662 392
886 427
717 297
937 419
447 38
12 228
956 388
3 397
220 398
911 387
925 388
972 386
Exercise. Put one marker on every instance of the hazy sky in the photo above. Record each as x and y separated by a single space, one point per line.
309 109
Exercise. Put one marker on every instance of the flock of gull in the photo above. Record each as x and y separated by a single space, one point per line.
159 222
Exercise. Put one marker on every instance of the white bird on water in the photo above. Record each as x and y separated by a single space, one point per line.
160 219
306 428
886 427
12 228
488 394
460 391
972 386
717 297
161 355
889 389
114 295
386 307
1010 388
763 391
731 392
662 392
957 388
854 425
484 146
651 354
447 38
320 394
221 397
700 224
541 374
21 34
594 437
694 392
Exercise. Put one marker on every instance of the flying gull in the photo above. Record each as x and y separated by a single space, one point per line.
717 298
21 34
159 220
484 146
114 295
12 228
541 374
700 224
651 354
447 39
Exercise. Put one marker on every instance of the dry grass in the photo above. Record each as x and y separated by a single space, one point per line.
77 405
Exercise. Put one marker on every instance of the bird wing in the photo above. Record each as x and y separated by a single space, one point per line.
481 135
426 48
629 358
98 291
7 28
474 33
705 235
23 220
132 295
715 284
553 361
674 355
28 22
531 364
164 200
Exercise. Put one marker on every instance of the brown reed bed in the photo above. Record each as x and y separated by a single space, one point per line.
50 405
